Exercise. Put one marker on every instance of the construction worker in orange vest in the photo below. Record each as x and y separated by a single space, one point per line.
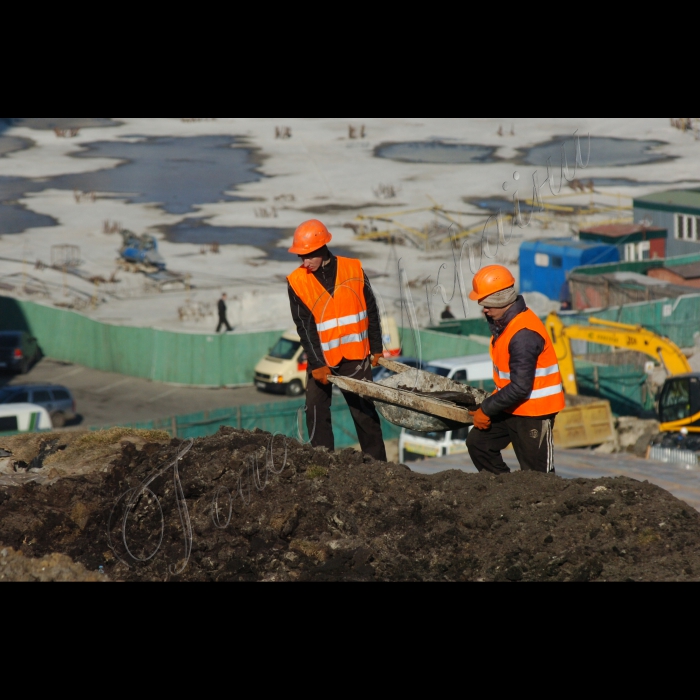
529 392
336 315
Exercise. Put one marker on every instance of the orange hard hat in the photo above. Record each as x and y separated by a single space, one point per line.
309 237
490 280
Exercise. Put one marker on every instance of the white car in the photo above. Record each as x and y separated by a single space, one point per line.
415 447
23 418
465 370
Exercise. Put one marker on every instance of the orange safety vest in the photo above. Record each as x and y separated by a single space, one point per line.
341 320
547 395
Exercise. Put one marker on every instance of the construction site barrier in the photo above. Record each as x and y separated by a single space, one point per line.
286 418
161 356
677 319
431 344
626 387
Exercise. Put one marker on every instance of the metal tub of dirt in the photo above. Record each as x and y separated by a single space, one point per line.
418 400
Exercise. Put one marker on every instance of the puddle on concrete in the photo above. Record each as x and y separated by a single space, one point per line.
621 182
14 217
50 123
177 174
199 232
605 153
12 144
495 204
324 209
436 152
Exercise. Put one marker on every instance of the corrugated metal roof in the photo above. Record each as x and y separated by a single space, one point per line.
672 199
688 272
622 230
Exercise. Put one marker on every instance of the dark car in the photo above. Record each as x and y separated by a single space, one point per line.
57 400
18 351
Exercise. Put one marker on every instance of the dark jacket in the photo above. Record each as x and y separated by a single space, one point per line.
525 349
306 324
222 308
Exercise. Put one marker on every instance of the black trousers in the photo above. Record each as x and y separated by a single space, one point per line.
223 321
318 412
531 438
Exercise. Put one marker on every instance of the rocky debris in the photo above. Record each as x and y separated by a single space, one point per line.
43 457
14 566
634 435
243 506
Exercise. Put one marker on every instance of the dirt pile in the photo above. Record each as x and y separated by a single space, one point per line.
243 506
14 566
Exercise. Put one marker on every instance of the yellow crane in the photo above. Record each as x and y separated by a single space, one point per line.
627 337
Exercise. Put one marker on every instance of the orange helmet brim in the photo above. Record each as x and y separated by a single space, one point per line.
303 250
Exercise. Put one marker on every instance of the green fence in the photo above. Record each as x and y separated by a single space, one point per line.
162 356
433 345
466 327
625 386
677 319
285 418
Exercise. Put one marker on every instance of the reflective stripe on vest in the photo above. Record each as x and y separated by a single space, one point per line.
544 372
340 322
547 396
341 318
357 338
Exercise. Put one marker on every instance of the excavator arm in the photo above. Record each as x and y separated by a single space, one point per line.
617 335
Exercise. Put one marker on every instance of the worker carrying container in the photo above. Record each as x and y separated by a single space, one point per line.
284 369
529 392
338 322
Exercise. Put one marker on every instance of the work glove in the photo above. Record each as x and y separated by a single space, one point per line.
481 420
321 375
374 359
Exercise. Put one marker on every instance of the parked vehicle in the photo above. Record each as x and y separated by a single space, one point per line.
465 370
56 400
414 447
284 369
23 418
18 351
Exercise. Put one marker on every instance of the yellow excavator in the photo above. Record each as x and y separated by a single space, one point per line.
679 402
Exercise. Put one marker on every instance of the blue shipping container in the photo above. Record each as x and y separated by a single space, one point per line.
544 264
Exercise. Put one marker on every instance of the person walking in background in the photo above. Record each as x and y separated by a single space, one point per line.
223 320
337 318
447 314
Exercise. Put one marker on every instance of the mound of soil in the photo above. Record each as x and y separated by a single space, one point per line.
14 567
243 506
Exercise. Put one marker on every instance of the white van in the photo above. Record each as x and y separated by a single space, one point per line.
284 369
23 418
471 370
415 447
